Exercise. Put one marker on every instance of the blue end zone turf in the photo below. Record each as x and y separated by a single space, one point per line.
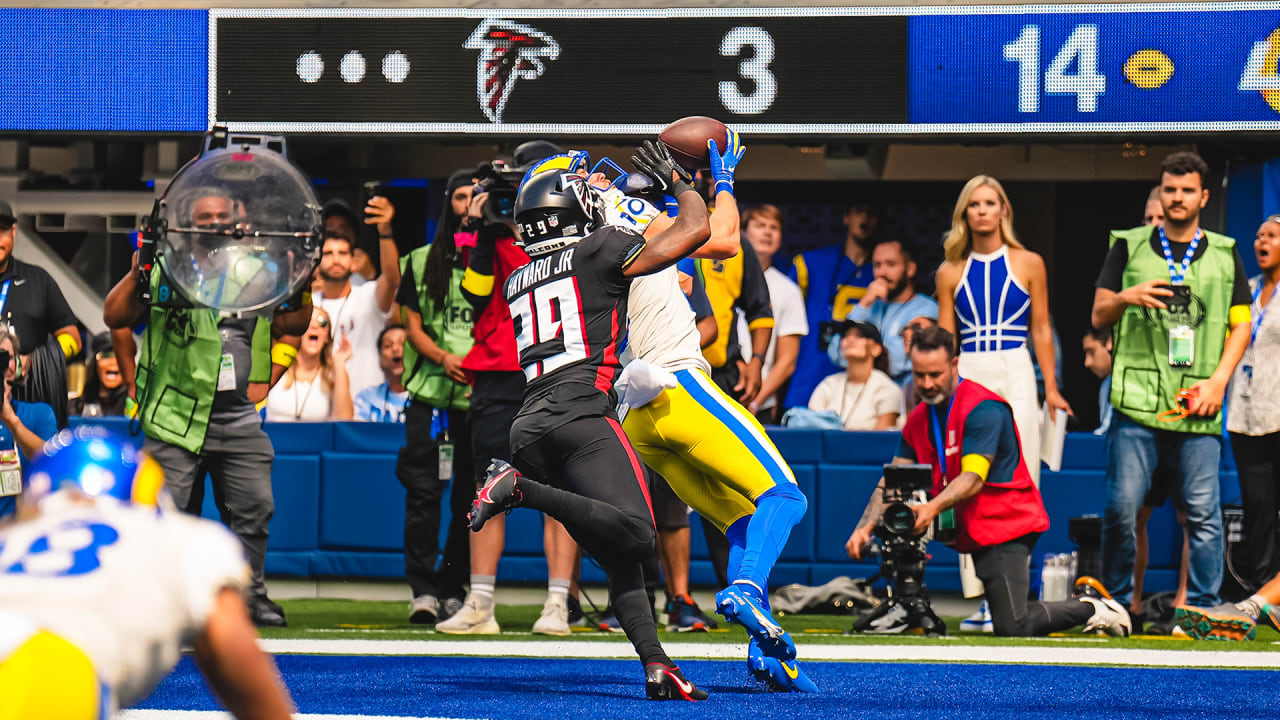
594 689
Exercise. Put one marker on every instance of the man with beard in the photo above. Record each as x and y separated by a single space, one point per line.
360 311
891 301
833 279
979 475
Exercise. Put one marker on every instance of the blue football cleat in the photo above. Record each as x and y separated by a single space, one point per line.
777 676
737 605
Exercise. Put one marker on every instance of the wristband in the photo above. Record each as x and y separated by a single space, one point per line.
70 344
681 186
386 237
758 356
724 186
283 354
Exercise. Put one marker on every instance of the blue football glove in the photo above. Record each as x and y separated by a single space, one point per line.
724 166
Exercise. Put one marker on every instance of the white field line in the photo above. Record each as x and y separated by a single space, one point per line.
734 651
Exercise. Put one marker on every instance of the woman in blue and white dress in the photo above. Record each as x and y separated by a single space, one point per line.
996 292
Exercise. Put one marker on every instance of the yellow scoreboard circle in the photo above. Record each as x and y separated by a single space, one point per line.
1148 69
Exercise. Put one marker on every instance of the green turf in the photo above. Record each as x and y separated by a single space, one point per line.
354 619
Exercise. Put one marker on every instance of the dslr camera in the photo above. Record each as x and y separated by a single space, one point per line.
500 181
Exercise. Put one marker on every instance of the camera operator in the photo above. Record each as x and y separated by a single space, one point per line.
983 490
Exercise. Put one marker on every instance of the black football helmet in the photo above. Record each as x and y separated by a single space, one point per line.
555 209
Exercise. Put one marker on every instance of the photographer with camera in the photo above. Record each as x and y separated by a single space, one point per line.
983 496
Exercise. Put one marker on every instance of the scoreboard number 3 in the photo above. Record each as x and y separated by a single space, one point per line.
1085 83
756 69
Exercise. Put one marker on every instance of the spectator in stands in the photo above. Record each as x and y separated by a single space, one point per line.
979 474
497 390
891 300
762 227
910 398
1153 213
315 388
864 396
24 426
832 280
1254 420
738 285
360 313
33 305
438 324
996 291
1166 335
1097 359
105 392
386 402
339 218
193 383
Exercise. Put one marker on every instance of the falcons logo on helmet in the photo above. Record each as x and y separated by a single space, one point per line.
508 51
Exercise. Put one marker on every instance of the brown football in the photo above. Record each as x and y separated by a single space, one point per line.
687 139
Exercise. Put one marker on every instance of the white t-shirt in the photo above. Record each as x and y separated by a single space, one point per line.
661 327
357 316
859 404
126 585
789 318
307 401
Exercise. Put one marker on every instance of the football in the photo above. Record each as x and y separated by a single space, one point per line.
687 139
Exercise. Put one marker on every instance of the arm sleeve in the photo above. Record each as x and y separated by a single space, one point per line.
698 300
618 248
789 314
1112 273
212 560
477 283
58 313
1240 293
407 293
820 399
983 427
905 451
43 421
754 300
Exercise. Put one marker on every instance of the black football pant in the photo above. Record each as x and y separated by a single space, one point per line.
418 469
1004 570
590 479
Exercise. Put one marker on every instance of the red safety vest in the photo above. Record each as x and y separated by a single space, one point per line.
999 512
495 348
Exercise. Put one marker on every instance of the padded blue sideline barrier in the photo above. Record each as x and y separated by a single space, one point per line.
340 508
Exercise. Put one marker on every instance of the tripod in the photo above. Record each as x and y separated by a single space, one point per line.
902 566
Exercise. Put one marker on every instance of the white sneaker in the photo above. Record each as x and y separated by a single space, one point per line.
980 621
471 620
554 619
891 623
1109 616
423 610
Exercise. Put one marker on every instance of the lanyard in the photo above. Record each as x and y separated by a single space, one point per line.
4 295
939 446
1179 278
1253 337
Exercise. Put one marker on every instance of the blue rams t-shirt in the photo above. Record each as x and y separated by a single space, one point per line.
39 419
379 404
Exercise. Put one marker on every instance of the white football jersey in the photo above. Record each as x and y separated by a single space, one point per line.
625 211
124 584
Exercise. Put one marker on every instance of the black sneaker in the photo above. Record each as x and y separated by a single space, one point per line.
499 494
577 618
265 613
684 615
663 682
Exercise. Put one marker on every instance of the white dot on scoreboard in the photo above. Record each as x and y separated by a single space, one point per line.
310 67
395 67
352 67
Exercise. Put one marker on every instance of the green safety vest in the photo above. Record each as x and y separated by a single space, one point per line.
449 327
177 372
1143 382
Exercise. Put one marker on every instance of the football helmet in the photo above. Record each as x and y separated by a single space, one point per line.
555 209
98 463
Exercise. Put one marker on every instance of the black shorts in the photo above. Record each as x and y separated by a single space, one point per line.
669 511
592 457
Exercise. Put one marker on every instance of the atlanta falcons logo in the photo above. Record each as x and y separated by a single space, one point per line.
508 51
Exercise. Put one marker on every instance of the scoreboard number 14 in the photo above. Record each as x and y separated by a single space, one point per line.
1086 84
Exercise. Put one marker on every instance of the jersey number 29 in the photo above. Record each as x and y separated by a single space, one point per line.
550 313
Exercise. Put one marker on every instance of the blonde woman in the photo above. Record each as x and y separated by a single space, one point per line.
993 295
316 386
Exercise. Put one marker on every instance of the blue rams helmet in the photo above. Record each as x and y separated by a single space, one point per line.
98 462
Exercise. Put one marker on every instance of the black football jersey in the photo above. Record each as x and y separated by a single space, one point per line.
569 310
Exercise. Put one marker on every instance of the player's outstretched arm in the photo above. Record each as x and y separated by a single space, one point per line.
243 677
691 228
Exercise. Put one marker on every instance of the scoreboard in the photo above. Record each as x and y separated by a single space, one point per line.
923 71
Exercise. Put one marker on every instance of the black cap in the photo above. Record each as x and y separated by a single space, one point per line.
533 151
463 176
833 328
340 208
6 214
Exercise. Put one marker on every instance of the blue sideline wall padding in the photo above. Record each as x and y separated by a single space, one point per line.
340 508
